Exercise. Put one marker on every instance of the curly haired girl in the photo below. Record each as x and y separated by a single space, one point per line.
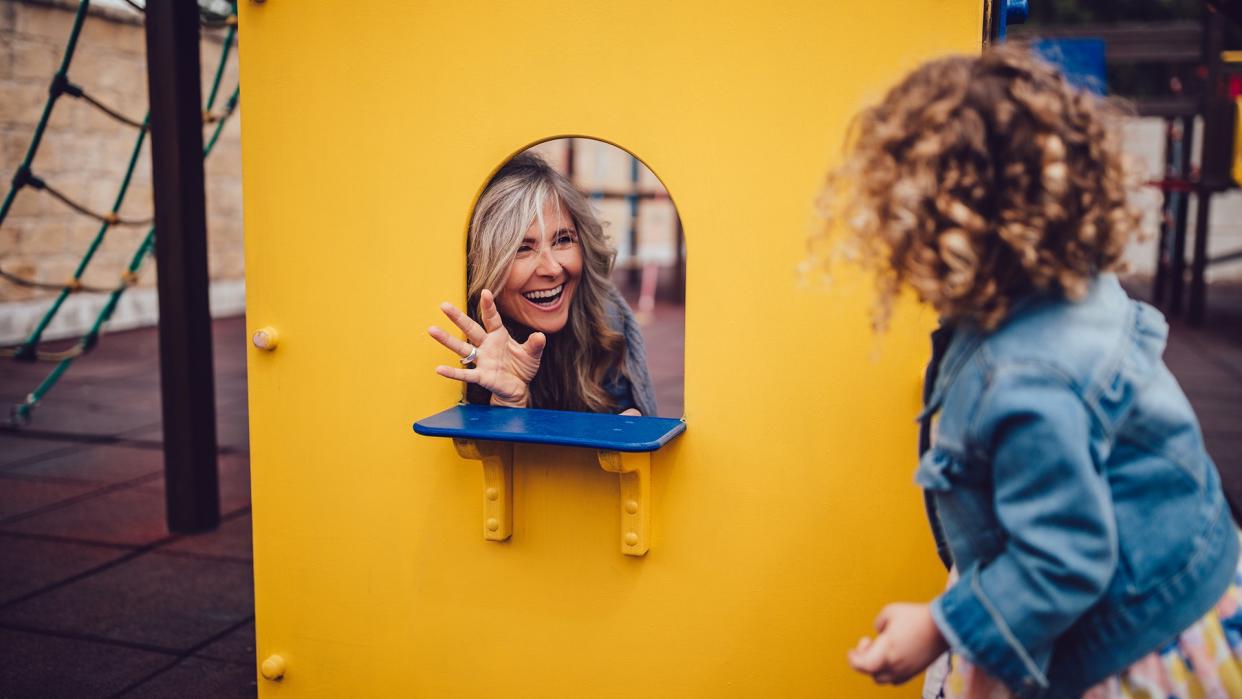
1092 552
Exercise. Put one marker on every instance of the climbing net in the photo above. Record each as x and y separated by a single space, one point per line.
62 86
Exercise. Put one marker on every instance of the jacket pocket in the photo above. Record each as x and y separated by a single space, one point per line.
940 470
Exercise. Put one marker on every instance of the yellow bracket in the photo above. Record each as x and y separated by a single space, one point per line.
497 458
635 472
633 468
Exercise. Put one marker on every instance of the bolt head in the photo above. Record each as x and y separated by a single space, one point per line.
273 668
265 339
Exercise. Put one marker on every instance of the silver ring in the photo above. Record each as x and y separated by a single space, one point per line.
469 358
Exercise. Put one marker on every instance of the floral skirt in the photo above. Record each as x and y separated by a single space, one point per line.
1203 662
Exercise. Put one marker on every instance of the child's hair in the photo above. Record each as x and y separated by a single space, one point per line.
978 180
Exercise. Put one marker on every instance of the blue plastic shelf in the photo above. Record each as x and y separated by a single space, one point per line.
558 427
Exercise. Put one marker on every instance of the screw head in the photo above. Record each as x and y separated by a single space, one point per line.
266 338
273 668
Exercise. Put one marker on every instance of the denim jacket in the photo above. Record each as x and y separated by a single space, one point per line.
1068 482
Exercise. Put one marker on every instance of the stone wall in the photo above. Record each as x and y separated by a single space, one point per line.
84 154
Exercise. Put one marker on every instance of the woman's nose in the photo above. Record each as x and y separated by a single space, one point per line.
548 266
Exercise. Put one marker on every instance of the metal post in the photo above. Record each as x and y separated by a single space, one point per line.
679 268
1177 268
186 381
1167 206
1212 165
633 278
1198 263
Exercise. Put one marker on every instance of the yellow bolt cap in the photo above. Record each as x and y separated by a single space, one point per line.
273 668
266 338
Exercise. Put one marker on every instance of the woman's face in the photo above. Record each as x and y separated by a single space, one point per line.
544 274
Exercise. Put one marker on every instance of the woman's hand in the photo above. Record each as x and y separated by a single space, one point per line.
907 642
501 365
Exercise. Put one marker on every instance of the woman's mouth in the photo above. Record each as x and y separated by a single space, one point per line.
545 299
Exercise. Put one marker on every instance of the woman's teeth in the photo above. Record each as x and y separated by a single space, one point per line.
545 297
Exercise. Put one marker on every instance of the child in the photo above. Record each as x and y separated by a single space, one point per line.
1067 484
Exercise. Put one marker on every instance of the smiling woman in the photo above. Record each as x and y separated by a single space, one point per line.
544 326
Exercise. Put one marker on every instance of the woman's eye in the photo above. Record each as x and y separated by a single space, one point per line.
525 250
565 240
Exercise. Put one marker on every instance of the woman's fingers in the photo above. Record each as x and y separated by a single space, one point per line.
474 332
458 373
534 345
458 347
488 312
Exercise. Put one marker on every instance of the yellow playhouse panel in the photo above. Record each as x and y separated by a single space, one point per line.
783 518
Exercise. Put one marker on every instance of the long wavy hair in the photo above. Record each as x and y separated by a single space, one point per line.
978 180
578 358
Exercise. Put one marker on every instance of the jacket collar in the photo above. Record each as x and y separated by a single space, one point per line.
952 345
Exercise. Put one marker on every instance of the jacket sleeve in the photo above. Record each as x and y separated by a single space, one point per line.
1060 535
642 390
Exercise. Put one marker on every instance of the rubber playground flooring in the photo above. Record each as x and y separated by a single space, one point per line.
97 599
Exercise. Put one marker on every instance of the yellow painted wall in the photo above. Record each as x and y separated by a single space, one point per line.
784 517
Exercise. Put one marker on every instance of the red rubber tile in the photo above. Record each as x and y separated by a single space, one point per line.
61 416
195 678
233 471
21 496
233 538
237 647
36 665
156 600
18 450
32 564
100 464
130 516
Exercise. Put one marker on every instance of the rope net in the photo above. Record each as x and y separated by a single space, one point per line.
61 86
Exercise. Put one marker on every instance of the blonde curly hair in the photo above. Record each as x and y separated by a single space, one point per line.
978 180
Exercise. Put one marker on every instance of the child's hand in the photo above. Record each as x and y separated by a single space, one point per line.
907 643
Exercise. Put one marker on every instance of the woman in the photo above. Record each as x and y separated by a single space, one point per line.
546 328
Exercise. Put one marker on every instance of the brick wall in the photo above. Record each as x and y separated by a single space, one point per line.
84 152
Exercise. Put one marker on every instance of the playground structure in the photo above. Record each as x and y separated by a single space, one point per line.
766 553
1204 99
765 536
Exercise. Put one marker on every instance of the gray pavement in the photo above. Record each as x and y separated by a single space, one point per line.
97 599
